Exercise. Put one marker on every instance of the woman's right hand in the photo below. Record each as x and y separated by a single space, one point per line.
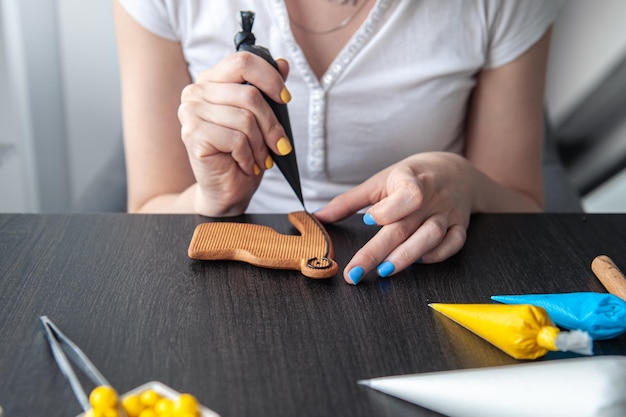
227 127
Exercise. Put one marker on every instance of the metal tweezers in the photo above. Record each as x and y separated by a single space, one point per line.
60 345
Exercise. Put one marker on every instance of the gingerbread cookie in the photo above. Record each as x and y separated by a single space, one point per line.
311 252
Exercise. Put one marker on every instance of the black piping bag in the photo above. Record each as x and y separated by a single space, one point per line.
288 165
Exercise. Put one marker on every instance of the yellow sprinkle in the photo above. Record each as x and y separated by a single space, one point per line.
132 405
103 397
149 397
148 412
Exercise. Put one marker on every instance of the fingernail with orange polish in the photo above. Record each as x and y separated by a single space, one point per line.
284 147
285 95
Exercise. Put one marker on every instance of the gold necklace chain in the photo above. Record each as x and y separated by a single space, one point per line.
341 24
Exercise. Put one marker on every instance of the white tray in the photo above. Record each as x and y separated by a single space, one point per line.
166 392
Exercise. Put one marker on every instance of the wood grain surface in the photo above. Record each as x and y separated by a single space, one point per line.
310 251
249 341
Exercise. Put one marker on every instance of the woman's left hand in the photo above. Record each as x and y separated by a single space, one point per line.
423 204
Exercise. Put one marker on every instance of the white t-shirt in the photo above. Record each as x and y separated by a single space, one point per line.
400 86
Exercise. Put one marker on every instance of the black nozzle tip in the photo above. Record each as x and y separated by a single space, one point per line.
245 37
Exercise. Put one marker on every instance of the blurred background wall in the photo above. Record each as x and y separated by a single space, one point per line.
60 112
59 100
586 99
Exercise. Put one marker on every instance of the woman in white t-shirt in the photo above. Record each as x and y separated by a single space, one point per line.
419 112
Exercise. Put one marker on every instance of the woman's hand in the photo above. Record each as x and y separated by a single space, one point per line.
423 204
227 127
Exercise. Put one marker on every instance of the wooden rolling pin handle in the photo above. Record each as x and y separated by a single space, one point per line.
609 275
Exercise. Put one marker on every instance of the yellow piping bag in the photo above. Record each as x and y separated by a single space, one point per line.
523 331
579 387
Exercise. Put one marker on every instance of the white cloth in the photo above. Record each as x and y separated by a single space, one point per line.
400 86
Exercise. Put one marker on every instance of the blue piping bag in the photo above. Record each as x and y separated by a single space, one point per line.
601 315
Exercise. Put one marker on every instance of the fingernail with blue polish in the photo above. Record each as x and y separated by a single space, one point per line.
385 269
369 220
356 274
418 261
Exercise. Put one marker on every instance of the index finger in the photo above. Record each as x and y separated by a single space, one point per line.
241 67
353 200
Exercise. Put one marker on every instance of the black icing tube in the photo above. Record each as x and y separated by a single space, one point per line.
288 165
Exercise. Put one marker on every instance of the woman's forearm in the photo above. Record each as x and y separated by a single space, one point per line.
168 203
492 197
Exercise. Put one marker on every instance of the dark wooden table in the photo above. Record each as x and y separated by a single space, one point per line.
255 342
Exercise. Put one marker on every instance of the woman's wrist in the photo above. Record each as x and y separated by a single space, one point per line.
169 203
192 200
208 206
